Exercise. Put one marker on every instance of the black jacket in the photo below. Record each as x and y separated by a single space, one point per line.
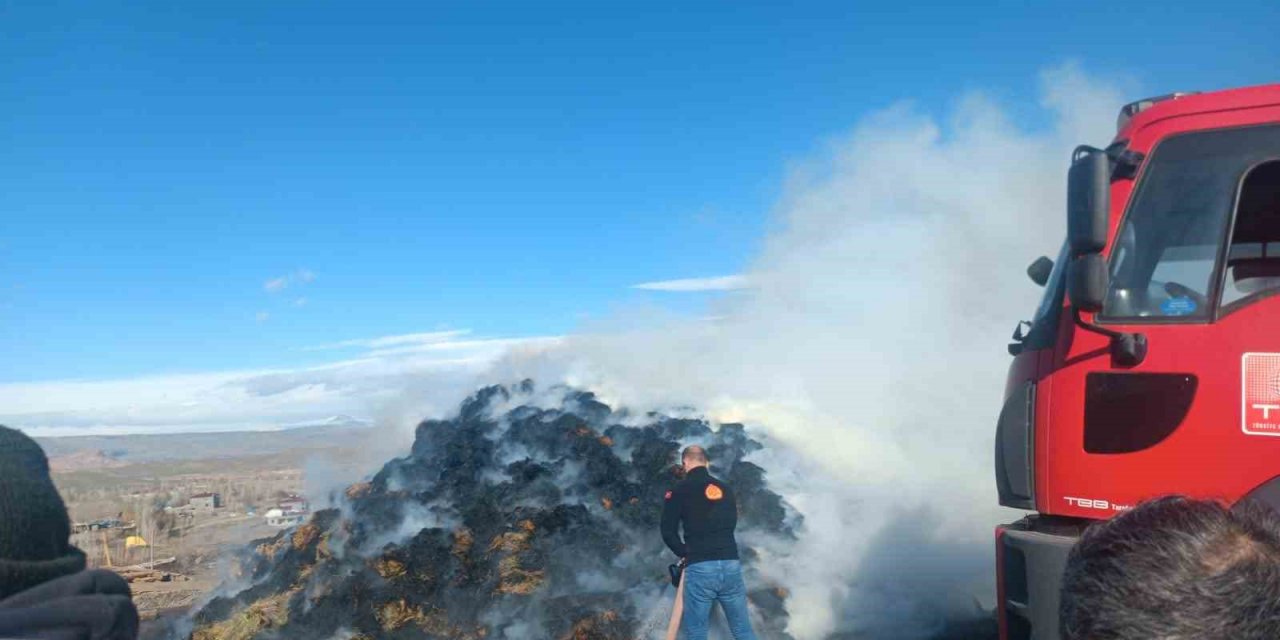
709 512
90 605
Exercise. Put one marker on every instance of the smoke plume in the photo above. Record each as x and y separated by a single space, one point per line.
864 350
870 348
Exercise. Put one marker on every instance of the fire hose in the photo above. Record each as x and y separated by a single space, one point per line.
677 610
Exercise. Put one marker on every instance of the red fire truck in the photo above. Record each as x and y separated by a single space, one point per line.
1152 365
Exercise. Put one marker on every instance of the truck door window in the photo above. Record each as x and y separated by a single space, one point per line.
1164 263
1253 260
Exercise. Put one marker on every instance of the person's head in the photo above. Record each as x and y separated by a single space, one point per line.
1176 569
34 527
693 457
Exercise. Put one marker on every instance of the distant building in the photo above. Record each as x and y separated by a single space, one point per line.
205 501
294 504
278 518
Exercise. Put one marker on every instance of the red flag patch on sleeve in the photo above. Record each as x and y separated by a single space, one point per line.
667 497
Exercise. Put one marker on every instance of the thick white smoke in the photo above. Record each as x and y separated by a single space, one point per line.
871 346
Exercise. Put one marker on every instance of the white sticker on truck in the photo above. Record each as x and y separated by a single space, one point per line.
1096 503
1260 394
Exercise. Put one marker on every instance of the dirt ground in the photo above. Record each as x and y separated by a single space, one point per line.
147 481
194 571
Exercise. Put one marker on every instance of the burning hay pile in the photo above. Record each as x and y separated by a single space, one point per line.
523 517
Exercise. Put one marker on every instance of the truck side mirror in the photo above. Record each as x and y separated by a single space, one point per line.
1039 270
1088 200
1087 281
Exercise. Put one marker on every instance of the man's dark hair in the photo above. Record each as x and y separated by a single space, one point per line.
1176 569
694 453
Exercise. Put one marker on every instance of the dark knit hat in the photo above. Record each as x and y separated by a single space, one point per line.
34 527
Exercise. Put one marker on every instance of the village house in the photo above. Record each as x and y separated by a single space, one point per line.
205 501
278 518
294 504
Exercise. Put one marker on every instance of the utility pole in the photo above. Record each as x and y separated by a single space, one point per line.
106 548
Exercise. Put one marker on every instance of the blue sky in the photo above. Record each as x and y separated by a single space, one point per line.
507 169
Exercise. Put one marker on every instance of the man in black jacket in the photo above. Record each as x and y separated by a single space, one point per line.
708 512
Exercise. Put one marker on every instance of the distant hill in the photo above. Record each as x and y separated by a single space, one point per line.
81 452
84 459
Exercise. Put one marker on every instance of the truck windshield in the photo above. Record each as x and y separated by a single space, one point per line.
1164 264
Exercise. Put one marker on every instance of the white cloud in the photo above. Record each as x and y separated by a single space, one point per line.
262 316
384 381
275 285
300 301
432 337
495 347
298 277
685 285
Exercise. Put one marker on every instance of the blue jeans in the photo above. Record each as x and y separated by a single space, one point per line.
715 581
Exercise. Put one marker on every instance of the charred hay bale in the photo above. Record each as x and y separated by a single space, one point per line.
267 613
484 515
478 405
541 490
323 551
463 462
683 428
771 602
509 547
603 469
731 443
358 490
280 565
463 539
757 505
511 541
557 519
270 548
428 560
651 454
515 579
400 473
585 404
590 617
398 613
378 511
339 597
389 568
305 536
526 471
607 625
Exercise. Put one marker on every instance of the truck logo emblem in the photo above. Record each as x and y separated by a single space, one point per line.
1260 394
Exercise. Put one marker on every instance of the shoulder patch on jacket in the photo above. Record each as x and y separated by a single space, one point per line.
667 497
713 492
